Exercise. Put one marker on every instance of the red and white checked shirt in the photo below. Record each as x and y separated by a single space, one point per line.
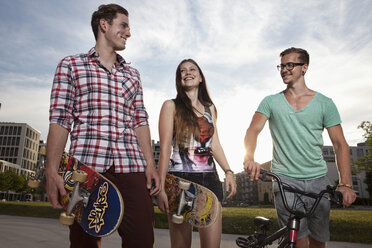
104 108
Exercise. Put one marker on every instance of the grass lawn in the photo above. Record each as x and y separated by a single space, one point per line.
348 225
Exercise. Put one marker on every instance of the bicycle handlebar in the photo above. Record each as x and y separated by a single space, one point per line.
335 196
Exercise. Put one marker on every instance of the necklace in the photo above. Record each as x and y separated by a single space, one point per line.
198 111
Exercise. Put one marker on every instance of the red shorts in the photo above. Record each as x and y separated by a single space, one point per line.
137 227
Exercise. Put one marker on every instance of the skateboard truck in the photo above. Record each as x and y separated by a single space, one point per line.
185 200
77 195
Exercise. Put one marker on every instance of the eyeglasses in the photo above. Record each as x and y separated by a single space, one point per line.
289 66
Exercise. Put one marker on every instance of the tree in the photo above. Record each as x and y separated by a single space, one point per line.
9 180
365 163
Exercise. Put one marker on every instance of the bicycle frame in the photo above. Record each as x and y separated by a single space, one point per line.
288 233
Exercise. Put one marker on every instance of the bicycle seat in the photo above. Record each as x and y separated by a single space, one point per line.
262 222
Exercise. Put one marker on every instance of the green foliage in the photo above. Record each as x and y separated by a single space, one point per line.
365 163
9 180
367 127
368 181
32 209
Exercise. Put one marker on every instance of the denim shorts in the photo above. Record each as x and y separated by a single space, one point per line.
317 225
209 180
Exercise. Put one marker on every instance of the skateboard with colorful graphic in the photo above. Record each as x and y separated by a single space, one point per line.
91 199
190 202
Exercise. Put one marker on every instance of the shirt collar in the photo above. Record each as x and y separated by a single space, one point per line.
93 53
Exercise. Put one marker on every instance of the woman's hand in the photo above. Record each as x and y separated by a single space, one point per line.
162 201
230 184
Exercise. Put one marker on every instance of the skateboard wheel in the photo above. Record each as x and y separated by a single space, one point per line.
79 176
184 185
65 219
177 219
33 183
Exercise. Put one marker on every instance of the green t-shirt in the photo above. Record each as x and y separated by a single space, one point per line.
297 135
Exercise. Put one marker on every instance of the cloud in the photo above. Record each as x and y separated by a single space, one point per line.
26 105
236 43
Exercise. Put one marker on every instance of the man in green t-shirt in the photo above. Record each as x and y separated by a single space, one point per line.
297 117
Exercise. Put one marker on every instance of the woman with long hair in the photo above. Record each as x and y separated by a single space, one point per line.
187 124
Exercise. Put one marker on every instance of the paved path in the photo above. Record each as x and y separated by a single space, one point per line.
16 231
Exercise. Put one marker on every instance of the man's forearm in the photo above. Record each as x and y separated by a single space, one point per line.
144 141
56 142
343 164
250 143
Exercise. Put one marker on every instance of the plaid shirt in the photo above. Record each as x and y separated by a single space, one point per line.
104 108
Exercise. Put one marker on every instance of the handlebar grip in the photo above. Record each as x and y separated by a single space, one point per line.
263 176
337 198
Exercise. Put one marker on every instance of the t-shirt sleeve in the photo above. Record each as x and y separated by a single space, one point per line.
331 115
264 107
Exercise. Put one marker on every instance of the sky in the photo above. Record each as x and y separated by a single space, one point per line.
236 44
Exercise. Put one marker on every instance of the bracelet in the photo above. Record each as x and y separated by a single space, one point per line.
226 171
345 185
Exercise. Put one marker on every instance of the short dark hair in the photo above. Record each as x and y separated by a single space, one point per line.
304 56
107 12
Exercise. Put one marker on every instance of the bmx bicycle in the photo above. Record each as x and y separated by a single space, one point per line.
287 235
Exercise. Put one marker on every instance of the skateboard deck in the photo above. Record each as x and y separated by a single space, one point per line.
95 202
199 205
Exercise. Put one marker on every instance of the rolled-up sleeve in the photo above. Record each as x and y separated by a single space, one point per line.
62 96
140 117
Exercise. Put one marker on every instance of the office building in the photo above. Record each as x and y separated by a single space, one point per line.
19 147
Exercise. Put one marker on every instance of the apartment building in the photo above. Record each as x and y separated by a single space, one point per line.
156 151
356 152
19 146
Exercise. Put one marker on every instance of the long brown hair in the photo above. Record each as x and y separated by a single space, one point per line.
185 119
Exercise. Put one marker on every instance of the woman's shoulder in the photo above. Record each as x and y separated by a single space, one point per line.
169 104
211 109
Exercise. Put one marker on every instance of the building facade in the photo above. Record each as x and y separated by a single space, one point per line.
156 151
356 152
19 145
265 192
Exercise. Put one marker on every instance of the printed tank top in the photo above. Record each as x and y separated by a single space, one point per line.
196 156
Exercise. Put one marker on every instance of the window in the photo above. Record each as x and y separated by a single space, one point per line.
360 153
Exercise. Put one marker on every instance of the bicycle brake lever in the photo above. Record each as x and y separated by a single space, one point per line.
337 198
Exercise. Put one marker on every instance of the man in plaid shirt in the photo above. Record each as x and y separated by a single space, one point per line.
97 99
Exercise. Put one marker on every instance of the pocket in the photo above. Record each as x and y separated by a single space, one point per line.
129 88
